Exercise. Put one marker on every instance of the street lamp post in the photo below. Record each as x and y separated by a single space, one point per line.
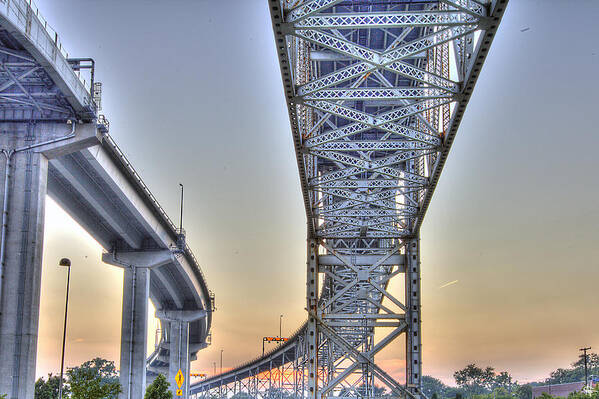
67 263
221 361
281 326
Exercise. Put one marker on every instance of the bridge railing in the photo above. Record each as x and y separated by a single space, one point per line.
154 203
26 16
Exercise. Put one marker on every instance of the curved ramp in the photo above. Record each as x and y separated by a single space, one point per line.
54 142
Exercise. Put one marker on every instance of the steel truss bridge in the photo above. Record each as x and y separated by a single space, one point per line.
375 91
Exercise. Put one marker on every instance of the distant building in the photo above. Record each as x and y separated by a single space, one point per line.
557 389
562 390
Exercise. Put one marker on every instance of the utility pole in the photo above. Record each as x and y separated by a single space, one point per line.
214 363
586 373
221 361
181 217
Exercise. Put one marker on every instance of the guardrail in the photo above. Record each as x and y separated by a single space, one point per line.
217 377
155 204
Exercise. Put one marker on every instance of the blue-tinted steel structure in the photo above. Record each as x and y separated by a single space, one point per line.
376 90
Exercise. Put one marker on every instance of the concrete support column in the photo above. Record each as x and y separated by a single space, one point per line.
134 329
26 149
177 324
179 355
134 332
22 264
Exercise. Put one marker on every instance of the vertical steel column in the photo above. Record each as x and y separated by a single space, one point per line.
312 330
413 336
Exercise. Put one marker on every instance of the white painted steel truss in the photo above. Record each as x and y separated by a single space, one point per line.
376 91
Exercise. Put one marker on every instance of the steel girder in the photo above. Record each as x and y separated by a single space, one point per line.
375 92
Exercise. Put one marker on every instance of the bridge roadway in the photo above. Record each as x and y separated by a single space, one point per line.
54 143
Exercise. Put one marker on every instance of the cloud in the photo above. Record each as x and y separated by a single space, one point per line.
448 284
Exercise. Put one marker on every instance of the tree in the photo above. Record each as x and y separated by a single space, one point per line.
592 362
49 389
500 393
94 379
159 389
503 380
474 380
523 391
432 385
277 393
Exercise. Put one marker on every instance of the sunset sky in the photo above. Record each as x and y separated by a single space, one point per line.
510 253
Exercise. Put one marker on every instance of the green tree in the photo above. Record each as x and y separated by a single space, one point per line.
523 391
432 385
500 393
49 389
576 372
159 389
504 381
592 362
94 379
277 393
475 380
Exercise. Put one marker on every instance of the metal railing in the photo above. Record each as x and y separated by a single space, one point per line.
257 360
156 205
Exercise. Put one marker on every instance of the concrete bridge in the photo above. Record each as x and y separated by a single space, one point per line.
55 143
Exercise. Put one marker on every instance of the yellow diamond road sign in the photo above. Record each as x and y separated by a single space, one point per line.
179 378
179 392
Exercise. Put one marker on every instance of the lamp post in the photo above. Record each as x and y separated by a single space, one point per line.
221 361
67 263
281 326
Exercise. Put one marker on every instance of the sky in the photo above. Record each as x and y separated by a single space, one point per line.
509 245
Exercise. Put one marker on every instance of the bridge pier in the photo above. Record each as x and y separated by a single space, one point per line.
26 149
134 332
178 355
22 267
134 327
178 344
